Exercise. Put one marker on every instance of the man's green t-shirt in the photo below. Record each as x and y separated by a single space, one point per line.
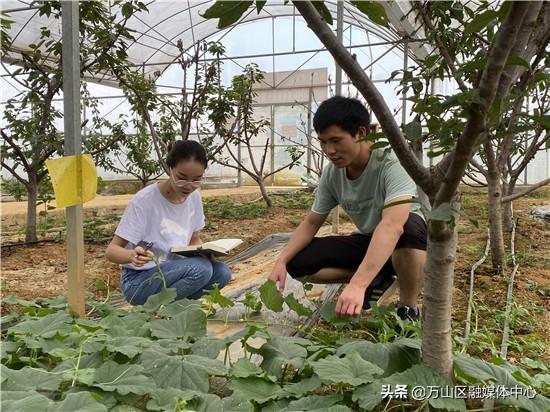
383 180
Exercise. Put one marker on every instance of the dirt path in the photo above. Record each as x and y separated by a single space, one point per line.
20 208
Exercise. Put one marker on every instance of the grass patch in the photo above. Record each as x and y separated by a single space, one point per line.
298 199
224 208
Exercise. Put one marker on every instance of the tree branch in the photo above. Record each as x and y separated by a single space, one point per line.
16 149
14 174
530 152
475 179
470 138
512 72
525 191
441 46
479 167
360 80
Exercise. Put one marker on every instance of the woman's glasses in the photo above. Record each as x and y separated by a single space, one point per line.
185 184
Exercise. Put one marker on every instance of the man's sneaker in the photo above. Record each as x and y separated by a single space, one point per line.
406 312
380 288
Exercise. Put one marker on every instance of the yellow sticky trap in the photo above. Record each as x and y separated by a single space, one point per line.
74 179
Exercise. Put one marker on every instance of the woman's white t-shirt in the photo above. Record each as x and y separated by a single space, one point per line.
152 218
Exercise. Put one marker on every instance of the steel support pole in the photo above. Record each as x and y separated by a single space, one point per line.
338 90
73 146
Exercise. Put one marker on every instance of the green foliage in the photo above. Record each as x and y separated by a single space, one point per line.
374 11
226 208
485 337
297 199
158 357
228 12
31 135
13 187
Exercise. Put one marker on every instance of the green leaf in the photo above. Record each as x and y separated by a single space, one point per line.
352 369
472 370
125 408
164 297
480 21
208 347
228 12
540 76
304 386
127 10
323 11
369 396
205 402
296 306
279 405
374 11
123 379
260 5
543 120
282 350
473 65
166 399
178 306
81 402
46 327
379 145
190 323
8 347
85 375
210 366
133 324
534 364
314 402
23 401
328 313
443 212
128 345
422 375
29 378
391 357
243 368
237 404
214 296
311 403
12 300
271 297
517 61
413 131
180 372
255 389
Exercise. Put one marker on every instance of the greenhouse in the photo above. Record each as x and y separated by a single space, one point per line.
275 205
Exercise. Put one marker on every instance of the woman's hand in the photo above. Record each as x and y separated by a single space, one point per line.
139 256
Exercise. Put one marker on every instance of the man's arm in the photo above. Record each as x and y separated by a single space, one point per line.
381 247
301 237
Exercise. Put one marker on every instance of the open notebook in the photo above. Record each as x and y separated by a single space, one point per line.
220 247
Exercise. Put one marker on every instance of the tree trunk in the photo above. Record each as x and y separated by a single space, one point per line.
32 195
423 198
507 213
496 233
263 190
436 323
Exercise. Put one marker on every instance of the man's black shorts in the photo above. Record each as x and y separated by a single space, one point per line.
349 251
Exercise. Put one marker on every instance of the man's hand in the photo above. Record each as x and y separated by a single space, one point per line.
350 301
278 275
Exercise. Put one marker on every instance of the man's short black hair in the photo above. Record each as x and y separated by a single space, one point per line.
348 113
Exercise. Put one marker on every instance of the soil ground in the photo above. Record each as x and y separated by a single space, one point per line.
40 270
